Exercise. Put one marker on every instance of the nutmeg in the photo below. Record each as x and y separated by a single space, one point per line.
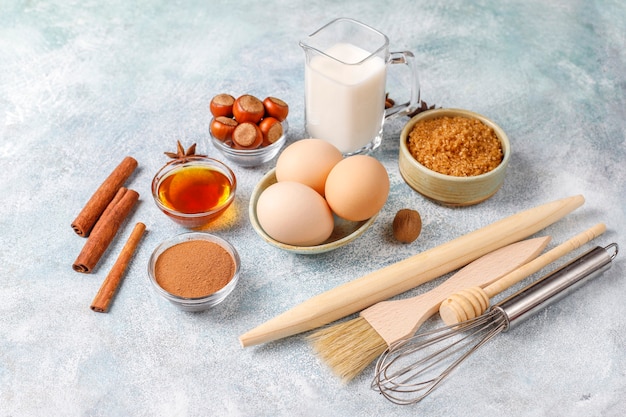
407 225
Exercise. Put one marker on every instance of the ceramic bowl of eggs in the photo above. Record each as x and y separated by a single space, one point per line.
316 200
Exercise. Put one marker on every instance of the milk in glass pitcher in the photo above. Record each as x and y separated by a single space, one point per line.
345 81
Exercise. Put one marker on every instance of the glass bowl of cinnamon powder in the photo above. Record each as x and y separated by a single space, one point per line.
195 270
453 157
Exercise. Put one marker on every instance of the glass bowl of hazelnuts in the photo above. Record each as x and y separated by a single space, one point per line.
246 130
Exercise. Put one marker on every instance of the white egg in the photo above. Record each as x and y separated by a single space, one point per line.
294 214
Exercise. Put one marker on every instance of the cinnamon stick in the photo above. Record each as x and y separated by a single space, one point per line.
105 229
89 215
101 302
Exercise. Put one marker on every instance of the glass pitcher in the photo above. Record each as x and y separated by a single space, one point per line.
345 81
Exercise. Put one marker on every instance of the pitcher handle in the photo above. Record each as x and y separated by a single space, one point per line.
407 58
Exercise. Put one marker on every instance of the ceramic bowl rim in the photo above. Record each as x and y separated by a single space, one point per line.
303 250
451 112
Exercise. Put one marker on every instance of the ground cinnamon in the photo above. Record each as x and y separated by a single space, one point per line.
195 268
89 215
101 302
105 229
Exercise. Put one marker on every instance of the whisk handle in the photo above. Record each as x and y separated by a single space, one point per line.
556 285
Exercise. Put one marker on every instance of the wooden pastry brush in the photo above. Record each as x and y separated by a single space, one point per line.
349 347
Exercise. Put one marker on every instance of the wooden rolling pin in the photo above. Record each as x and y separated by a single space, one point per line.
472 302
404 275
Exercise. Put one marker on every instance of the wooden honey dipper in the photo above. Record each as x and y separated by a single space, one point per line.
473 302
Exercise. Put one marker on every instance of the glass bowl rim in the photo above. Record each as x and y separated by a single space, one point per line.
173 165
186 237
256 152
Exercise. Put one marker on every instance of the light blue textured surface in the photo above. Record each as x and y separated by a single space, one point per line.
85 83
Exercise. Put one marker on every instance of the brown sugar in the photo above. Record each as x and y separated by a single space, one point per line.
194 268
457 146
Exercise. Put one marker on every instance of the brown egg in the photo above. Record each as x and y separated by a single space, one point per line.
357 187
308 161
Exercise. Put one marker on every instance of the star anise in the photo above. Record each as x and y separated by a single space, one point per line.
182 154
389 102
422 107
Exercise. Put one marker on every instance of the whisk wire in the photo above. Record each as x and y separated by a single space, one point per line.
404 383
403 380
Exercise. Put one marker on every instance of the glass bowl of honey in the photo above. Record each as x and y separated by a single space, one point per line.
194 191
252 157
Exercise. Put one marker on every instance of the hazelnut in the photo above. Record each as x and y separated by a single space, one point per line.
248 108
272 130
276 108
222 105
407 225
247 136
222 127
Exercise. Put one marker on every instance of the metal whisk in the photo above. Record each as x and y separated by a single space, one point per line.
412 368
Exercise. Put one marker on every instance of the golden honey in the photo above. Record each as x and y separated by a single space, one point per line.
194 189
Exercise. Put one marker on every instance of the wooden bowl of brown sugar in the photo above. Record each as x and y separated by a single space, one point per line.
453 157
194 271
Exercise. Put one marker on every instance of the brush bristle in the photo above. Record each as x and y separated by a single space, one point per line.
348 347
